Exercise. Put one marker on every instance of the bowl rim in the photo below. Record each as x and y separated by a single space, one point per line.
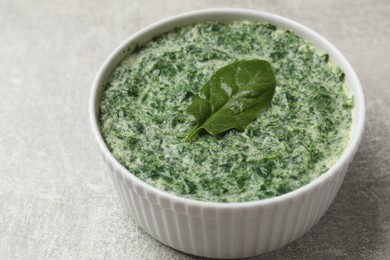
347 156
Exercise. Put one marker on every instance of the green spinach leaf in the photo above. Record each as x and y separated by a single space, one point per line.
233 97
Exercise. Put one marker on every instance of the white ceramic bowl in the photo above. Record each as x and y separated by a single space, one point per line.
227 230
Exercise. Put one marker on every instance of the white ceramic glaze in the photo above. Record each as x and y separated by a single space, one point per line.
227 230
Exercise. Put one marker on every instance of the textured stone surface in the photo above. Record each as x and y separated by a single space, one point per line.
56 200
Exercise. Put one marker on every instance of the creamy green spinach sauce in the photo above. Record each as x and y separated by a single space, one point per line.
299 137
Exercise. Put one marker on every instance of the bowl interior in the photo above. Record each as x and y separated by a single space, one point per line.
146 34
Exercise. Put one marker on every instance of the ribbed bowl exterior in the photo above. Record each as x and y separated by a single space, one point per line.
229 230
224 232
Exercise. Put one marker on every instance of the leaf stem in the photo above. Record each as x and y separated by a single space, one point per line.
192 134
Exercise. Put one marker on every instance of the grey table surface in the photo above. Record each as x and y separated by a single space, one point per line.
56 200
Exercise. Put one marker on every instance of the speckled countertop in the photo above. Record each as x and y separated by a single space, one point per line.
56 200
